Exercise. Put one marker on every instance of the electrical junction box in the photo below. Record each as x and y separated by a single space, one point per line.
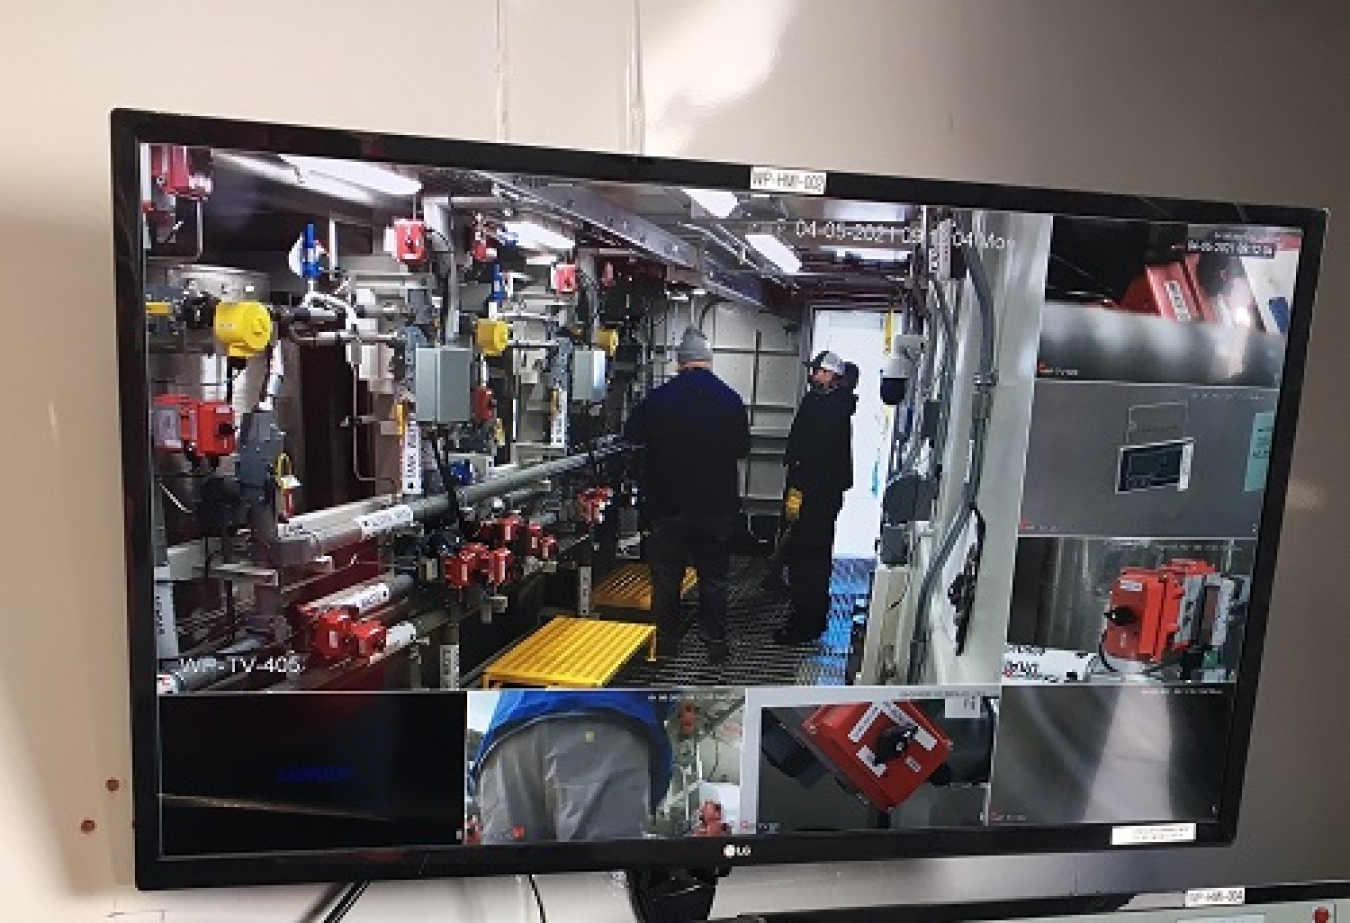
410 242
909 498
894 549
885 750
588 375
441 384
185 424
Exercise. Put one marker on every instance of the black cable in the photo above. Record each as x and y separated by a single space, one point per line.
538 899
344 904
963 627
1101 656
441 467
267 373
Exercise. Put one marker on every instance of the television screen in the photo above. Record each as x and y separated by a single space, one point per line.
494 508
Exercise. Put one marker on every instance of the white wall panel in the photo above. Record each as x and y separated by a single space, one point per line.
573 74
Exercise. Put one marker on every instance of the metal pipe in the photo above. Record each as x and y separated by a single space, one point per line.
517 497
337 337
272 380
385 311
922 389
303 546
754 400
737 252
368 595
741 252
948 375
400 635
533 344
588 208
450 311
486 202
313 314
405 633
508 483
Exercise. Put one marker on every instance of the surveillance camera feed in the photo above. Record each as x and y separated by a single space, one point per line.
491 509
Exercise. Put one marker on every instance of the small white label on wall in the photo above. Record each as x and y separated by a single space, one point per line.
1221 897
1145 834
775 179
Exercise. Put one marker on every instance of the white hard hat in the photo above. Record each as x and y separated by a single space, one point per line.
827 360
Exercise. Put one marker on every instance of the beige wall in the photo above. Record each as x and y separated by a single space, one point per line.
1208 99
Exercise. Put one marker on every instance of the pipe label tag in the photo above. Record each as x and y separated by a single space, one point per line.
386 520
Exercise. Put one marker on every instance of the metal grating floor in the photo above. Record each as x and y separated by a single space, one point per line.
755 659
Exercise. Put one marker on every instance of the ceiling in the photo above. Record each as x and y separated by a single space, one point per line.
848 250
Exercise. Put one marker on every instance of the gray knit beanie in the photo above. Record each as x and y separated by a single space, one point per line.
693 347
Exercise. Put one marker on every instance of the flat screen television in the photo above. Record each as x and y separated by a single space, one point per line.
494 508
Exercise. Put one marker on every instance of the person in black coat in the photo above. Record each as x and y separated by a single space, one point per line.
819 464
695 429
775 581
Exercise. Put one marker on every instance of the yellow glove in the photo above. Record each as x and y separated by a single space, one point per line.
792 506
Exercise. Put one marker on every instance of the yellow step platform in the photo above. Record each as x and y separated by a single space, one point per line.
630 587
571 652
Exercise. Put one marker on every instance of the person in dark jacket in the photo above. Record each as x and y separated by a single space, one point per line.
694 429
819 464
774 581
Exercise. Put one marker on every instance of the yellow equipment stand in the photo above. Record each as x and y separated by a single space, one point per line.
630 587
571 653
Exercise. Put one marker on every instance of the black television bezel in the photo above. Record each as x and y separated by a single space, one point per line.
131 128
1029 908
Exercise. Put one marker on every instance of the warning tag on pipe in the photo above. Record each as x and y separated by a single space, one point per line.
382 521
367 597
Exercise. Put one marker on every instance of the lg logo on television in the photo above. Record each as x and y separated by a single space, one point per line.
732 851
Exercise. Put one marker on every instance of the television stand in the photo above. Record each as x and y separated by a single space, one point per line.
673 895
